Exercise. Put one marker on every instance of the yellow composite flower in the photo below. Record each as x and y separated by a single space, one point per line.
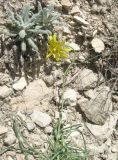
57 49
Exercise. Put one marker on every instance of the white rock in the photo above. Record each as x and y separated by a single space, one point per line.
9 158
75 10
3 130
74 46
48 130
66 4
41 119
20 84
30 125
66 30
70 96
114 149
4 92
98 45
10 139
86 79
81 20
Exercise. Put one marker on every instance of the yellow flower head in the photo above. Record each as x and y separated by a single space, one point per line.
57 49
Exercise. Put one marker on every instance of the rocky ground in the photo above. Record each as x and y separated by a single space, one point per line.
91 90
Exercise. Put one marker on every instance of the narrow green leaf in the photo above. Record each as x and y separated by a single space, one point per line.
32 44
23 46
25 12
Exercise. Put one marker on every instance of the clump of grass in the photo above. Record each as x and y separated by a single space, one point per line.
59 148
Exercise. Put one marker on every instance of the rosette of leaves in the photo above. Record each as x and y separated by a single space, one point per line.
26 26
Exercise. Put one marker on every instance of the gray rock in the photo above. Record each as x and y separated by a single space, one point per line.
86 79
41 119
81 20
70 97
105 131
10 139
3 130
20 84
99 107
49 80
30 125
4 92
98 45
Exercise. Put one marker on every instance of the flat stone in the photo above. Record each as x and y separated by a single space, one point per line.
80 20
99 107
98 45
40 118
20 84
86 79
4 92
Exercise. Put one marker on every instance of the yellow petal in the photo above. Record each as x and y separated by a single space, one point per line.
50 38
49 55
64 55
55 38
67 49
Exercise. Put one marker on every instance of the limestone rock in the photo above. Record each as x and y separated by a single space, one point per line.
86 79
4 92
30 125
99 107
10 139
48 130
20 84
40 118
98 45
81 21
70 97
66 4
